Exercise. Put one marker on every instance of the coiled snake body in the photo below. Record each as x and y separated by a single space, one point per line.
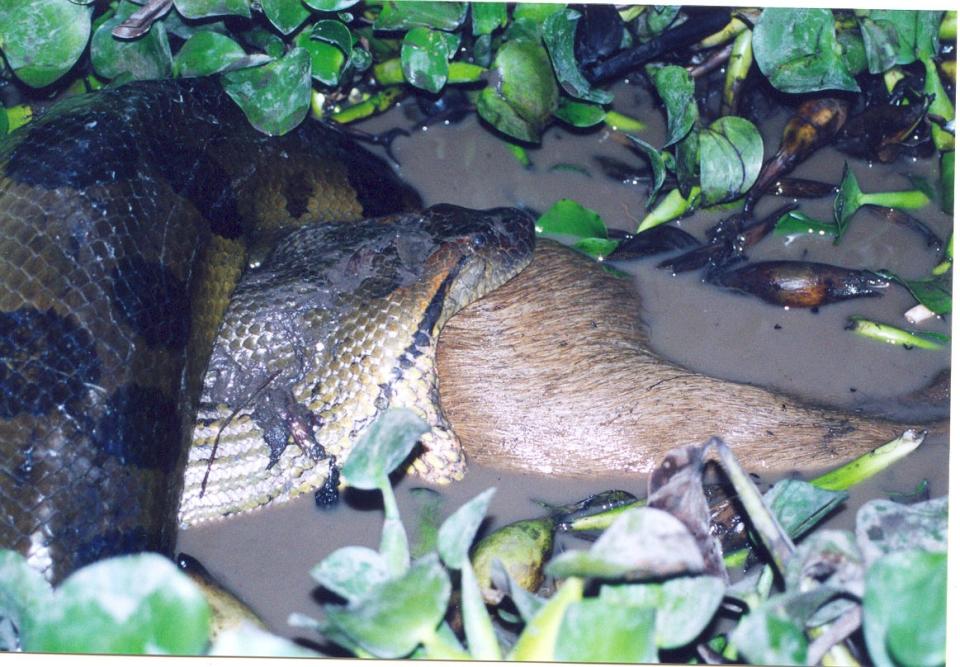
124 215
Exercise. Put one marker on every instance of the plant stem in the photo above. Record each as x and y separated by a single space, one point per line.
902 199
540 635
624 123
866 466
671 207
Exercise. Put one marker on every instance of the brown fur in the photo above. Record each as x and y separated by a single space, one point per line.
552 374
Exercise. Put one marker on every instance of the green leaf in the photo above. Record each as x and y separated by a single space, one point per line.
797 50
657 166
571 218
423 58
579 114
487 16
414 13
905 609
796 223
426 522
559 30
935 293
457 532
399 614
249 640
684 605
333 32
596 248
24 593
526 97
641 542
128 604
147 57
731 154
535 12
799 505
327 59
198 9
519 549
596 631
884 527
351 572
285 15
539 637
675 87
42 39
264 40
847 202
382 447
330 5
769 639
477 626
274 97
655 19
210 52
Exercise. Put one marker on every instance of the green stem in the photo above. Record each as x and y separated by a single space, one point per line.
374 105
902 199
866 466
481 637
728 32
461 72
890 334
602 520
437 648
738 66
941 106
623 123
389 72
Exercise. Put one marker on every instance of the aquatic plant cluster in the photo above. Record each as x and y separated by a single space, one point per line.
877 84
654 585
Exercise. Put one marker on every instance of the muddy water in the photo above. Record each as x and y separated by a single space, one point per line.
266 557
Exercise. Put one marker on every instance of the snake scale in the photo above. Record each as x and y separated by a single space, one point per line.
127 218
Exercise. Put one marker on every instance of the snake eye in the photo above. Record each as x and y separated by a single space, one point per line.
477 240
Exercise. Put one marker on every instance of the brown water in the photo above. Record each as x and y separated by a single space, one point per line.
266 557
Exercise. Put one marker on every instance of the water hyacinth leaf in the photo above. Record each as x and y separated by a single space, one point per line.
641 542
797 223
573 219
398 614
414 13
687 163
351 572
905 609
731 154
487 17
361 59
797 50
769 639
24 593
147 57
935 293
593 631
129 604
327 61
521 548
880 41
198 9
597 248
559 30
685 605
426 523
383 447
274 97
249 640
655 19
261 39
526 81
423 58
481 636
675 87
286 16
657 165
887 333
208 52
330 5
42 39
799 505
333 32
579 114
830 558
535 12
457 532
539 638
847 201
884 527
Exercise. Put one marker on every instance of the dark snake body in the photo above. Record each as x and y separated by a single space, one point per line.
121 216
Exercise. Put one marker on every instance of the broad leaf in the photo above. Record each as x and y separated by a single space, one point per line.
42 39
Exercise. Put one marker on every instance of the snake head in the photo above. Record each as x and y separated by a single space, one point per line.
478 250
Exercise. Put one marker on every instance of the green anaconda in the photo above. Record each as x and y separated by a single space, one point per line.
123 216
